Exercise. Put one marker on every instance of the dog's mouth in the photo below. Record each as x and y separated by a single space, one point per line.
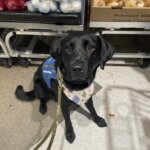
76 84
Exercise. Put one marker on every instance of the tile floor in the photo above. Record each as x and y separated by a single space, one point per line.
124 101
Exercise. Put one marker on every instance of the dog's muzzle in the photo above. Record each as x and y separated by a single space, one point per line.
78 72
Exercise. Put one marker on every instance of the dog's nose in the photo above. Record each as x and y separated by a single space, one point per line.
78 69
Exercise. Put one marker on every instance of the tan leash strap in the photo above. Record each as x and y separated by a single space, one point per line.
53 127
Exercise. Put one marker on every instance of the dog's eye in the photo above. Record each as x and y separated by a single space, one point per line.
69 49
90 48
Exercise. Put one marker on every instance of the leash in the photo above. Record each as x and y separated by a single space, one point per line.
54 125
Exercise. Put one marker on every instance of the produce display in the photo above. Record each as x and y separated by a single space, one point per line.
47 6
13 4
122 3
42 6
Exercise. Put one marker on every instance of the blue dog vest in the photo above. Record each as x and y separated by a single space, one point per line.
49 71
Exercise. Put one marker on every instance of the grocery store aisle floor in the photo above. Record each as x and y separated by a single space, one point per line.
124 101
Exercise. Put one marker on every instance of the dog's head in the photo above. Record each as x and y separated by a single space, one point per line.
78 57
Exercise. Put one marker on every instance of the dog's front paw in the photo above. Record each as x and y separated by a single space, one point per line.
70 136
43 109
100 121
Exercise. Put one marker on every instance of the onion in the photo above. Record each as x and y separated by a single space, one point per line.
30 7
65 7
44 7
76 6
2 5
22 4
35 3
72 6
12 4
53 6
15 4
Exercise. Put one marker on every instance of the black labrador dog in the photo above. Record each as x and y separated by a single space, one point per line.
78 57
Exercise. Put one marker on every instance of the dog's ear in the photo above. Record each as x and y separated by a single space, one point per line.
56 48
106 51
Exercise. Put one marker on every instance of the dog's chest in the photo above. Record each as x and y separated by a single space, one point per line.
79 97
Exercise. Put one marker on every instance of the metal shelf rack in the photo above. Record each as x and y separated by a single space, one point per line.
3 51
124 28
23 28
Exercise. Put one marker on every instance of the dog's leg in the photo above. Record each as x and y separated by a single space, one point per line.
65 103
43 107
42 94
98 120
